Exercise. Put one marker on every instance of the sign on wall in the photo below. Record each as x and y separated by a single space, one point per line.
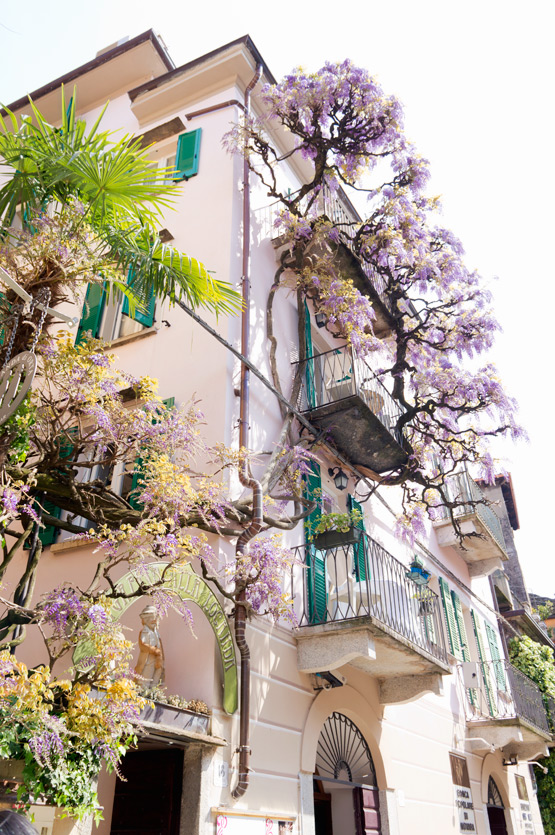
249 825
526 823
463 795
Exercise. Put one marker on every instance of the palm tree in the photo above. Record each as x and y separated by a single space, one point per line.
108 193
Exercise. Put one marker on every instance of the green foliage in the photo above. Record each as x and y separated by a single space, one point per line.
17 427
338 521
545 610
534 660
121 194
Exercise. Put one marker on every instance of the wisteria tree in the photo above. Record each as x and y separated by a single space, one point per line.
437 311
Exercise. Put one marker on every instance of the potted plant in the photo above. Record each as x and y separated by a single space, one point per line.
337 529
417 573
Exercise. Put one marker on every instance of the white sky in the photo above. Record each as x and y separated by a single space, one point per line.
476 80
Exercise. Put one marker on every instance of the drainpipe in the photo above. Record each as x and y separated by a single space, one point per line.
246 480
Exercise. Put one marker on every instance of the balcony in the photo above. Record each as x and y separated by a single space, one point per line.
347 401
337 207
504 709
483 549
359 607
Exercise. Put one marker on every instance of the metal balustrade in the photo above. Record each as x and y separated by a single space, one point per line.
462 488
360 579
336 206
335 375
503 692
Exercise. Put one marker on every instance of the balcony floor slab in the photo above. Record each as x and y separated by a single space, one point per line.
367 644
359 434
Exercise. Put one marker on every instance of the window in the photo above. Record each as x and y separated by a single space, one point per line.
110 319
187 156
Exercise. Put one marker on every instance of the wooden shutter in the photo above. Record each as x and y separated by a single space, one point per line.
187 157
465 647
91 316
496 657
486 676
315 559
309 366
359 549
367 811
451 620
144 311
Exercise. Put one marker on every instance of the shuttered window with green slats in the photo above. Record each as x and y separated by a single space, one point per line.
188 155
451 620
359 548
309 367
93 308
48 534
315 559
486 675
498 666
144 310
463 638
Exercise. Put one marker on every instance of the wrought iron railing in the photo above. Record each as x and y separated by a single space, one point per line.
462 488
335 375
336 206
360 578
503 692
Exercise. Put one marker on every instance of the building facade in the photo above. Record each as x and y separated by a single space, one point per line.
392 707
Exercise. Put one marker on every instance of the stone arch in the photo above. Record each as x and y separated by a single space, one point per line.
187 585
491 767
348 701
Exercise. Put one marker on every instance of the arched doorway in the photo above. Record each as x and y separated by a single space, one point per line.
496 810
346 798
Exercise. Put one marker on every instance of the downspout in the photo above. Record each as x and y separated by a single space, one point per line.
246 479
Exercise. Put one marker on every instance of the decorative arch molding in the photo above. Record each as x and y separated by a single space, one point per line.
348 701
491 767
187 585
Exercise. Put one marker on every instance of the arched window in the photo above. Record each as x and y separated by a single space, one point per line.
343 753
494 796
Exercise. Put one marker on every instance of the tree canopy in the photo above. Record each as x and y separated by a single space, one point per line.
438 313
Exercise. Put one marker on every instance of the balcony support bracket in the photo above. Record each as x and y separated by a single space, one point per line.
404 689
330 650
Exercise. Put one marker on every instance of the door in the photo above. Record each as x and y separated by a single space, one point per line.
367 811
148 802
496 819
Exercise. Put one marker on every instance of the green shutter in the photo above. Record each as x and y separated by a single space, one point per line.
359 549
451 620
486 677
309 366
187 157
465 649
144 311
138 469
93 308
496 657
49 534
315 559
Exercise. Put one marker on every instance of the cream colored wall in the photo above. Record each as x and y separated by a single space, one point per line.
410 743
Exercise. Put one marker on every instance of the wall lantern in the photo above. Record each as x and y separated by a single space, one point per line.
339 477
320 319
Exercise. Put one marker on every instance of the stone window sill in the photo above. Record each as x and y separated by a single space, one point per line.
130 337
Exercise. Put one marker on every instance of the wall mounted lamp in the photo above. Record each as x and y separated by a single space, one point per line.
340 478
320 319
